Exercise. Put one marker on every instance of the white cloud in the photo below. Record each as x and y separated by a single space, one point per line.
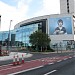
49 7
16 13
19 12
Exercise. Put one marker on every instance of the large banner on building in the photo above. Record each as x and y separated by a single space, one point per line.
60 25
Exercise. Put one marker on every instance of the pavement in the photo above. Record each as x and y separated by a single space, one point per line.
12 54
59 51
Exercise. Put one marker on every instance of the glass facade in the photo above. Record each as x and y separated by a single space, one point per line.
23 33
4 37
20 36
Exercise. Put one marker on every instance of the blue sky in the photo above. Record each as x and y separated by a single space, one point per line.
10 2
19 10
35 6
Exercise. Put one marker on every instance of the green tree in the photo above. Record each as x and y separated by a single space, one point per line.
39 39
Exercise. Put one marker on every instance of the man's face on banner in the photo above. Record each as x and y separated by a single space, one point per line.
60 24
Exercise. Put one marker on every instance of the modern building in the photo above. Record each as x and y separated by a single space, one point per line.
5 39
47 24
61 37
67 6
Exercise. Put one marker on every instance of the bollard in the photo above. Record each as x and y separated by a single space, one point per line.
18 60
14 61
22 59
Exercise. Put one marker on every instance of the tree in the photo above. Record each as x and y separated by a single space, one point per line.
39 39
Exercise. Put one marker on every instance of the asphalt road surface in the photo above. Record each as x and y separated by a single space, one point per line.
66 67
58 67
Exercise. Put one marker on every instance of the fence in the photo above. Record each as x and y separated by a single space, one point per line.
63 47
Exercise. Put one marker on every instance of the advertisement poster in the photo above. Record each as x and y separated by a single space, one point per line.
60 26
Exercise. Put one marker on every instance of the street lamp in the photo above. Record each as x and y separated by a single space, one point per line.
9 36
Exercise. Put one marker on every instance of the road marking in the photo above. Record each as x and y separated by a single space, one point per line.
50 63
59 61
39 59
10 68
70 57
26 70
50 72
5 65
65 58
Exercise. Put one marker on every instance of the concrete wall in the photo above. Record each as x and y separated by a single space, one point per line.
63 6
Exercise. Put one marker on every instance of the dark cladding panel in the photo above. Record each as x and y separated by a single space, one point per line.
12 39
44 26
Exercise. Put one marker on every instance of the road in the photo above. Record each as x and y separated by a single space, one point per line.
38 56
66 67
42 64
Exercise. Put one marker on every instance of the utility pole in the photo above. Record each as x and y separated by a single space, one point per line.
8 46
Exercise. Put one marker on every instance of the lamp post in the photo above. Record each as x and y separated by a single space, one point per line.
9 36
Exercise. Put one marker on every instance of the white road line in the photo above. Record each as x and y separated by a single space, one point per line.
59 61
50 63
5 65
26 70
65 58
10 68
39 59
70 57
50 72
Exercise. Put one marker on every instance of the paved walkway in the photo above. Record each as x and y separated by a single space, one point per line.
12 54
64 51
